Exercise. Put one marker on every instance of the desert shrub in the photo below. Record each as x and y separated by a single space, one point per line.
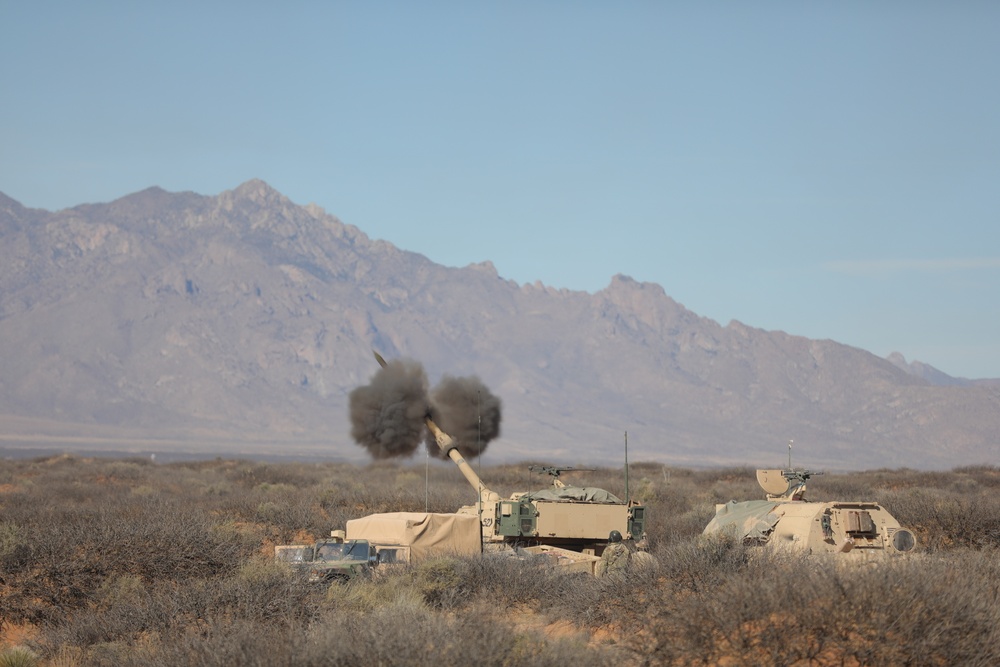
125 611
13 546
365 596
667 508
986 476
497 581
218 642
366 499
245 475
117 590
163 539
112 654
122 623
830 487
216 488
617 601
721 485
437 580
505 582
74 548
456 583
908 611
298 475
131 471
150 564
295 475
679 527
285 511
266 592
290 512
706 562
418 637
18 656
946 520
390 635
270 489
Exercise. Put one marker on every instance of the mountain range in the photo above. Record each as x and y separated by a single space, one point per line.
240 324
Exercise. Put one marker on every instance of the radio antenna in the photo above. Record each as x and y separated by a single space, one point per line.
479 463
628 498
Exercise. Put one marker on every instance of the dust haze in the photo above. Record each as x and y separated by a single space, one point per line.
387 415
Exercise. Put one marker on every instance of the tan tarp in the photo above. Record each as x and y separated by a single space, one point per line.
426 534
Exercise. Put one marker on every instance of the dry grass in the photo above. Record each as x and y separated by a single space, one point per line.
123 562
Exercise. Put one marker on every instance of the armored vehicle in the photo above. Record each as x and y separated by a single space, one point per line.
786 520
333 559
568 517
571 517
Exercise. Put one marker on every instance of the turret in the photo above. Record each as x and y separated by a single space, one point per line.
788 484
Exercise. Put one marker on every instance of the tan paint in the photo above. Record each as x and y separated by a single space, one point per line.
858 529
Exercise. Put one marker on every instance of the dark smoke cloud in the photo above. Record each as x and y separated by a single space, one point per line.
387 415
466 410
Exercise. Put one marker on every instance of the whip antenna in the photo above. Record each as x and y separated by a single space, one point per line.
628 498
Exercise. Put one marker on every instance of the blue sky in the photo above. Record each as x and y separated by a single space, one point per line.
831 170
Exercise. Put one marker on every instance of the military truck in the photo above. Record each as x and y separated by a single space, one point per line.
786 520
330 560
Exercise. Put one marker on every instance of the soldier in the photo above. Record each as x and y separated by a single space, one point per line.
616 556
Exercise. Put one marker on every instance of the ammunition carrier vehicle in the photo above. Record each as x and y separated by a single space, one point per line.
786 520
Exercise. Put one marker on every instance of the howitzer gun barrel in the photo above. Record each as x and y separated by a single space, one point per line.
447 445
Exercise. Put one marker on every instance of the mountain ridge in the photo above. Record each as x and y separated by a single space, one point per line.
244 317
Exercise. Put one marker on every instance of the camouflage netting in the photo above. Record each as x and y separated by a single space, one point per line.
583 493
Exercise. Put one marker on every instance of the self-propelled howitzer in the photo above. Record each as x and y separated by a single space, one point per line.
571 517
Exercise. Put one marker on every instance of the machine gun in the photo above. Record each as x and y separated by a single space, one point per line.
555 472
788 484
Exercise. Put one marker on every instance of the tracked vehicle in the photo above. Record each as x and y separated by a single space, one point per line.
786 520
561 518
571 517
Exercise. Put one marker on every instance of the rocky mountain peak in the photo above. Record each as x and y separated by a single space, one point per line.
648 302
245 318
9 205
258 192
925 371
